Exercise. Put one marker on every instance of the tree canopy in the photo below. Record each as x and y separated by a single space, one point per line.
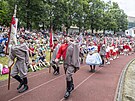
86 14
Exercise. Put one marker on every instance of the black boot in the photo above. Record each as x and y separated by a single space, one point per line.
69 89
54 67
17 77
25 88
58 70
72 84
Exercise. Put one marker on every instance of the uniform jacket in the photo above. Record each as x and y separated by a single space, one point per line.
72 55
20 52
55 51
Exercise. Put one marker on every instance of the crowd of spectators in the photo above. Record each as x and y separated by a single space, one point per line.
38 43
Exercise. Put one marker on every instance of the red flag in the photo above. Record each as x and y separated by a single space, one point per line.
51 39
14 30
13 21
12 33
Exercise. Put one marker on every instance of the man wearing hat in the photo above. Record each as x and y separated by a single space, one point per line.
21 54
55 51
69 51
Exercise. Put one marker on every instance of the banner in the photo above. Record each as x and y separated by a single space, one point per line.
13 33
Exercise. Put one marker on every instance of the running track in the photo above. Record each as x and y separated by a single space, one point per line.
44 86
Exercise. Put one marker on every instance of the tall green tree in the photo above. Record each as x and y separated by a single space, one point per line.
4 13
87 14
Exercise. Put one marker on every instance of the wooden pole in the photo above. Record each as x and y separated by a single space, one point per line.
9 79
50 60
51 45
9 76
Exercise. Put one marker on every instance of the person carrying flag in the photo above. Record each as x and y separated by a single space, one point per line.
69 51
21 54
55 51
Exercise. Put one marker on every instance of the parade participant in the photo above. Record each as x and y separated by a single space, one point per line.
81 54
93 58
108 54
102 53
127 48
20 53
111 45
116 50
69 51
121 48
55 51
91 51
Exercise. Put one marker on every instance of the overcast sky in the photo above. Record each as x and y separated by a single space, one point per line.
127 5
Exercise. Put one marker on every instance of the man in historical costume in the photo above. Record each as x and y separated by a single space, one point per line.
55 51
69 51
20 53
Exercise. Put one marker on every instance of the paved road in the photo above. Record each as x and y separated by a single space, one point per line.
43 86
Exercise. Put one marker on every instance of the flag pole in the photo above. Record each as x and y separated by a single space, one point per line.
7 48
51 44
50 60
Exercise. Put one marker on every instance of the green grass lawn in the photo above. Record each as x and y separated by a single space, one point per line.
4 61
3 77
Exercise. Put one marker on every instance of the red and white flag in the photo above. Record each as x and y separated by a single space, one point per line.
13 32
12 39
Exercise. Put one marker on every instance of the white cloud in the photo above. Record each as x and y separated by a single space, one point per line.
127 5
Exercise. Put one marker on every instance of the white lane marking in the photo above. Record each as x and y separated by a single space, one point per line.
83 81
28 78
35 88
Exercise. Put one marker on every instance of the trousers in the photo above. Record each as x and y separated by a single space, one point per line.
69 71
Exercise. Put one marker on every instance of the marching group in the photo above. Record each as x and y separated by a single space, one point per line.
73 49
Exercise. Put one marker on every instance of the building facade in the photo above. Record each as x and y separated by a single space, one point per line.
131 22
